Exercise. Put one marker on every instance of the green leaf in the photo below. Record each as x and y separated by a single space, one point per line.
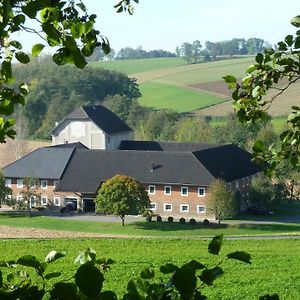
208 276
54 255
282 46
296 21
168 268
89 279
37 49
81 6
1 279
289 39
240 255
52 275
194 265
31 261
229 79
22 57
147 273
23 87
251 69
215 245
16 44
259 58
185 281
64 291
108 295
297 42
79 59
258 146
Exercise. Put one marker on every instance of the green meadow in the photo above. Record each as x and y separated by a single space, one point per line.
153 229
172 83
274 264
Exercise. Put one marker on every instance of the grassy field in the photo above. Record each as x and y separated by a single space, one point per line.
275 263
153 229
133 66
164 80
180 99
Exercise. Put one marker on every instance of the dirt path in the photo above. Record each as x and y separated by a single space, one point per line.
9 232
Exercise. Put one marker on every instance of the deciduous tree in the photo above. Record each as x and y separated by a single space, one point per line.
5 191
275 69
65 25
122 195
221 201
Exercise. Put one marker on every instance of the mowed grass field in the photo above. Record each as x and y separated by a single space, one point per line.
275 264
171 83
153 229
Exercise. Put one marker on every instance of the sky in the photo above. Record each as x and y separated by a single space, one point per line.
165 24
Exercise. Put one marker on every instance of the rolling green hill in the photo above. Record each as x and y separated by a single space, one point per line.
171 83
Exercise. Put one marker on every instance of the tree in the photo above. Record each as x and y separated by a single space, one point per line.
266 194
30 195
221 201
122 195
275 69
5 191
187 51
65 25
196 50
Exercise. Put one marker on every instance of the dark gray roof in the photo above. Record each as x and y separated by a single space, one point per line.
105 119
228 162
164 146
77 145
44 163
88 168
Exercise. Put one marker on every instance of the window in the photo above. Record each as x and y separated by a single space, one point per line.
168 190
44 184
184 208
8 182
19 183
184 191
201 209
44 200
152 206
201 192
108 139
167 207
19 197
151 189
56 201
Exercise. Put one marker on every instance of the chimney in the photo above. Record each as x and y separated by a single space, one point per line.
56 123
151 166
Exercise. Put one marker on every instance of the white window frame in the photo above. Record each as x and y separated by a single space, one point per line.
184 211
56 198
152 208
8 182
201 212
167 187
149 189
46 186
165 209
19 197
20 183
42 202
204 191
187 191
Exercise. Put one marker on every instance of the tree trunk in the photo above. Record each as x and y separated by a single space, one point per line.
123 218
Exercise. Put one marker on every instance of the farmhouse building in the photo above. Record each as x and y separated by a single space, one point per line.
177 176
94 126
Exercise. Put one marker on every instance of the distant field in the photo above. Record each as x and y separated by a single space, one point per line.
167 80
132 66
180 99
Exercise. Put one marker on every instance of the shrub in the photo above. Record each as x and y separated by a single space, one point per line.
159 219
182 221
205 222
192 221
63 209
170 219
149 218
80 210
